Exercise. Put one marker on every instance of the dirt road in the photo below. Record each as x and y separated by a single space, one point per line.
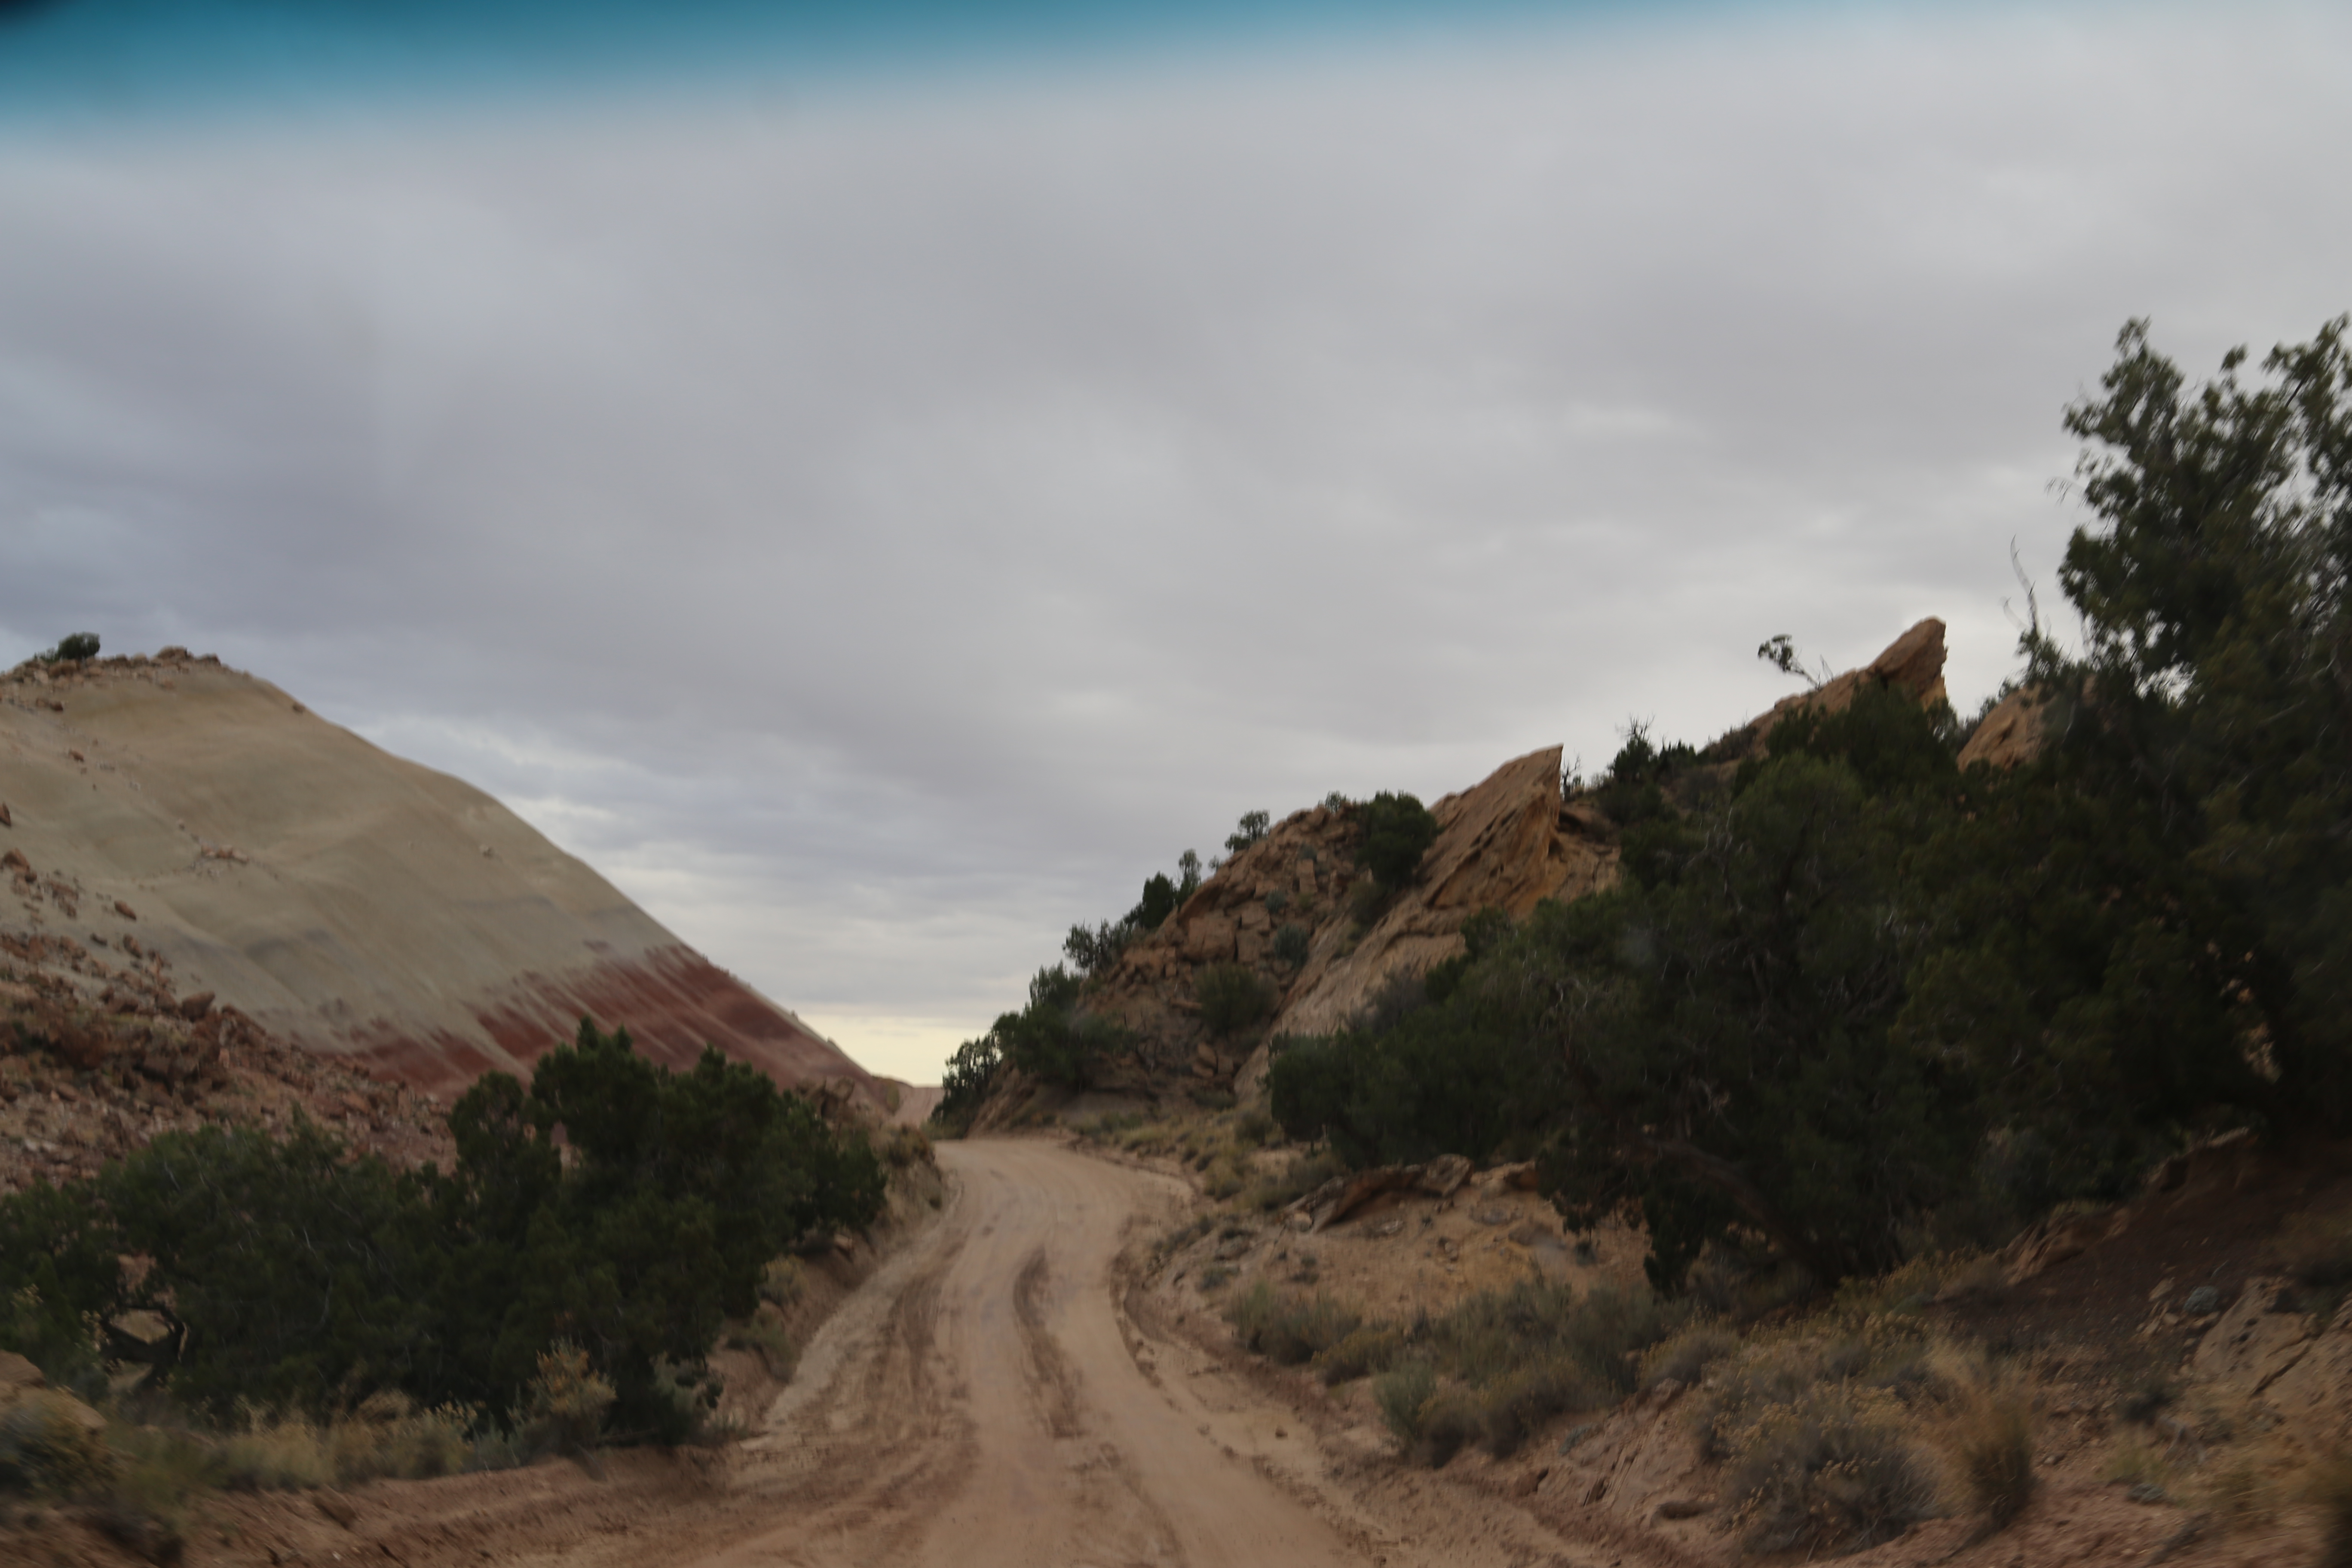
979 1402
984 1398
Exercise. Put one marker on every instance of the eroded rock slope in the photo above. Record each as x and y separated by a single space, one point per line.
360 906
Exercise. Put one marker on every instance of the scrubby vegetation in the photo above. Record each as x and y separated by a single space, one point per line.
1231 997
1055 1039
603 1221
1799 1015
1396 832
1491 1371
1092 952
80 646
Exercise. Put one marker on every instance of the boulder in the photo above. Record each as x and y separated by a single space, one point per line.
2314 1394
2010 734
2053 1241
17 1375
2256 1340
1912 663
1509 843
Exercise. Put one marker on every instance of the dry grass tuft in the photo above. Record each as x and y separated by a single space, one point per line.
1370 1349
2327 1486
1289 1330
1685 1356
1828 1472
1992 1438
384 1435
764 1332
1399 1392
1512 1408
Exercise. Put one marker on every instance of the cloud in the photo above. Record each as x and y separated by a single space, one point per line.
878 525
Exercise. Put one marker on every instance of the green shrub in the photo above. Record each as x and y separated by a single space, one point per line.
1685 1357
613 1203
1288 1329
1232 996
1302 1175
1400 1393
1496 1333
783 1280
1529 1395
563 1409
1823 1474
1252 828
80 646
1225 1177
1368 1349
1447 1419
965 1084
764 1332
1396 832
1292 943
383 1437
159 1473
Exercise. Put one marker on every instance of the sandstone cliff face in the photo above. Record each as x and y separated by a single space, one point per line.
2011 733
1507 844
1913 662
352 903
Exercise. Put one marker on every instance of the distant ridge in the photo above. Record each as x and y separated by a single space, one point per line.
351 901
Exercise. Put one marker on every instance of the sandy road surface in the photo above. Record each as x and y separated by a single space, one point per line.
979 1402
984 1398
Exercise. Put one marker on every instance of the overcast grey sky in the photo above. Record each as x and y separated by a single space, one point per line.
878 521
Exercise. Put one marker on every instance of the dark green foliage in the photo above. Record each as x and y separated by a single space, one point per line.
1292 943
1859 988
1161 899
290 1266
1396 832
1289 1330
55 1266
1252 828
680 1187
1054 1038
970 1074
80 646
1634 791
2212 709
1092 951
1481 934
612 1204
1232 996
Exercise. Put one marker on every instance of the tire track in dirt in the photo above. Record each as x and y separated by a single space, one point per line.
989 1398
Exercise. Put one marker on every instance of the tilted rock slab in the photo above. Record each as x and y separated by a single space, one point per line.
1507 844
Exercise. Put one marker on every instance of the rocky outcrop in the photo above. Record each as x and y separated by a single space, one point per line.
2011 733
341 898
1912 663
1295 908
1509 843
